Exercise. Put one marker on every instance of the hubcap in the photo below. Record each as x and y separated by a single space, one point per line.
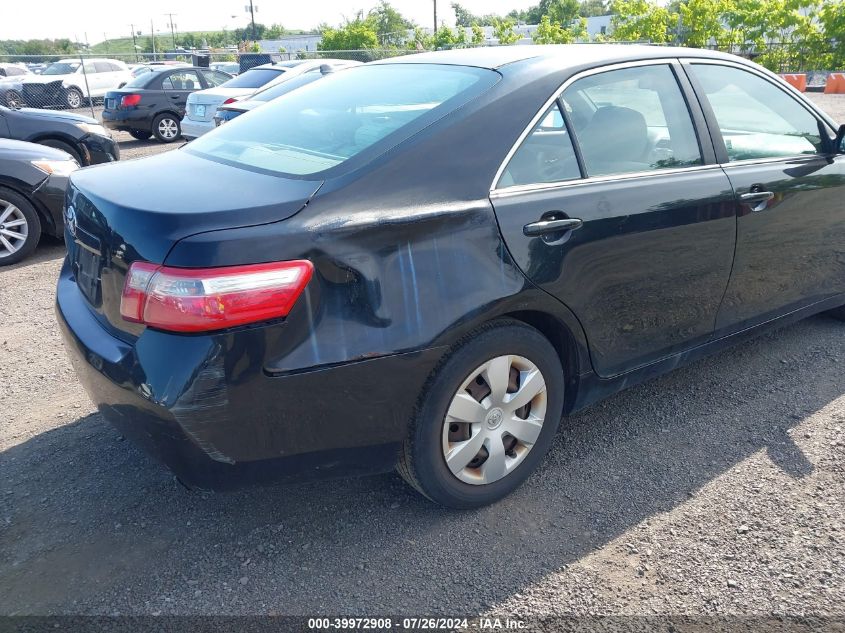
494 420
167 128
13 229
73 100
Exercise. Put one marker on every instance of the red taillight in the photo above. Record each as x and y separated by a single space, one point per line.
230 100
202 299
127 101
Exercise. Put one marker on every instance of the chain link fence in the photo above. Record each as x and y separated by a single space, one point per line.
80 82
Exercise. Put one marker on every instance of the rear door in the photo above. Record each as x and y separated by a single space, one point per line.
613 204
178 85
790 188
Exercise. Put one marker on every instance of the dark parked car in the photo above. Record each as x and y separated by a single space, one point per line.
33 179
229 111
153 103
88 142
424 262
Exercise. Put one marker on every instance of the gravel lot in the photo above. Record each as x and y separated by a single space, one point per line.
717 489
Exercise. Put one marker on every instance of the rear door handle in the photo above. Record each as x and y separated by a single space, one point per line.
757 199
541 227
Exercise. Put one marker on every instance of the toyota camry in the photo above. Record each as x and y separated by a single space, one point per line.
424 263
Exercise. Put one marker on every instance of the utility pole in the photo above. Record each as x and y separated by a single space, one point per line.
106 42
435 17
252 11
172 29
153 35
134 42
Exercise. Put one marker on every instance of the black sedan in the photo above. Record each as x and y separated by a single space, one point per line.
424 262
153 103
88 142
33 180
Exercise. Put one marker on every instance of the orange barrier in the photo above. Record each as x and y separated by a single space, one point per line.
835 84
799 81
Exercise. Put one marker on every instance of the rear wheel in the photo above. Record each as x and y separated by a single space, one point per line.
487 417
65 147
20 227
73 98
141 135
166 128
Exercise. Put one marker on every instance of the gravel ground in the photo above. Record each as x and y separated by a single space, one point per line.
717 489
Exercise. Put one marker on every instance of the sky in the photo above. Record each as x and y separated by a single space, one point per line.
98 19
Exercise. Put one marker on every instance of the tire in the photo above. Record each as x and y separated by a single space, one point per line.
423 460
14 100
65 147
166 128
73 98
14 208
141 135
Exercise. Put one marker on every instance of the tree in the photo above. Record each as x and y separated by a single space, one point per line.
503 30
592 8
640 20
463 17
478 36
354 35
390 26
549 32
831 16
702 21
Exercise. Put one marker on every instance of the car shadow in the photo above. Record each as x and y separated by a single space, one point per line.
48 248
92 525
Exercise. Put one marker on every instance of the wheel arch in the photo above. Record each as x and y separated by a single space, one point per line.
563 340
81 151
43 215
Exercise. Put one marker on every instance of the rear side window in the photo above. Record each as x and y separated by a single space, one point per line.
328 122
632 120
756 118
546 154
183 80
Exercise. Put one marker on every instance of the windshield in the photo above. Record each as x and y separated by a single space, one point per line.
328 122
277 90
254 78
61 68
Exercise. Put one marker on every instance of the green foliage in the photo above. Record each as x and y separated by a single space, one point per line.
464 17
477 35
549 32
640 20
354 35
389 25
503 30
592 8
702 21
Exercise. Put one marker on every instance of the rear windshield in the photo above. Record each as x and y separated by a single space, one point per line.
254 78
328 122
140 81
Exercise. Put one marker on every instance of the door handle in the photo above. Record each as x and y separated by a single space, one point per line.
757 199
541 227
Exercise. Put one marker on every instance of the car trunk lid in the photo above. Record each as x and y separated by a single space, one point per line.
105 234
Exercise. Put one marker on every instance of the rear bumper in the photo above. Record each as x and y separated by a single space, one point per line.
204 406
126 120
194 129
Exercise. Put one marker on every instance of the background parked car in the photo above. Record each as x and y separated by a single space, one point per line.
10 90
202 105
154 103
12 70
33 179
233 68
63 83
82 137
268 93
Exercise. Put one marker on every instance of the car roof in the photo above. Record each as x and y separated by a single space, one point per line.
493 57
